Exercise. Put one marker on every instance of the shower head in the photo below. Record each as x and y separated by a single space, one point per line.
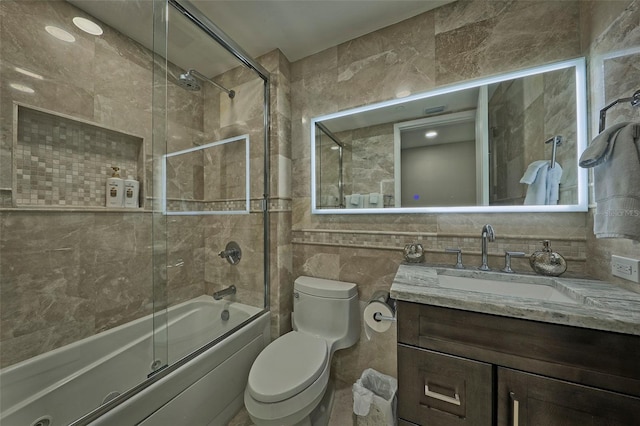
189 82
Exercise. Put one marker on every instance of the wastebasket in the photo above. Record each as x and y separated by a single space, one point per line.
374 399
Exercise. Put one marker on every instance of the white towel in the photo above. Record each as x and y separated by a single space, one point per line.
544 183
553 185
536 177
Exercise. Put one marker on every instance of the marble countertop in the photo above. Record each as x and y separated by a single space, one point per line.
601 306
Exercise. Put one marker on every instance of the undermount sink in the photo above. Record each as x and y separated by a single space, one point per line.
542 292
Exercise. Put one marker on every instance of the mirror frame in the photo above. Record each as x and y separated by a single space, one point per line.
247 176
581 144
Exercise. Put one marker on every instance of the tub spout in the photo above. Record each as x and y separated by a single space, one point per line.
231 290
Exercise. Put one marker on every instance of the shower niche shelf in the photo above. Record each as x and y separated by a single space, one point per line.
63 162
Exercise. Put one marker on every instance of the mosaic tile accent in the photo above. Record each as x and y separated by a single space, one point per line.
63 162
275 204
570 248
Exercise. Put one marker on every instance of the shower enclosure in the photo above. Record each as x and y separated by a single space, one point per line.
157 90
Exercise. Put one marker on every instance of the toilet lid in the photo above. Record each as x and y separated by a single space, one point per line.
287 366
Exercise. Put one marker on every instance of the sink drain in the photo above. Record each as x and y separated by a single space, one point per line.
42 421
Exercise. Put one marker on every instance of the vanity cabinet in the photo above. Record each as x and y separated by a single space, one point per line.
457 367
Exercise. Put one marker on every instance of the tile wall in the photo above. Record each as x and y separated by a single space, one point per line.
459 41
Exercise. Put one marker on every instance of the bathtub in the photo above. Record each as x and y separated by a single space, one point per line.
61 386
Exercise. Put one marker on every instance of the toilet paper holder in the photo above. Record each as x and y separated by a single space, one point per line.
383 296
379 317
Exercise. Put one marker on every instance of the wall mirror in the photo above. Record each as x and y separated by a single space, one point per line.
506 143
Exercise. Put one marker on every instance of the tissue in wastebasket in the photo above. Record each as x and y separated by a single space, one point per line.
375 388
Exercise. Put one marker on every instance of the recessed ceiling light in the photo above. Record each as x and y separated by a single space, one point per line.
87 26
335 148
431 134
60 34
28 73
21 88
403 93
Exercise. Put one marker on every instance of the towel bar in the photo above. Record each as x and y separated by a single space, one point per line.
556 140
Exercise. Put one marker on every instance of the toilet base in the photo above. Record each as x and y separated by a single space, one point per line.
320 415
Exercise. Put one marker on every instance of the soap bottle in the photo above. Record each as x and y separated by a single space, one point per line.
547 262
131 193
115 189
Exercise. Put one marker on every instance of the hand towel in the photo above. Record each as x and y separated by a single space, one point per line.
601 147
536 177
553 185
617 188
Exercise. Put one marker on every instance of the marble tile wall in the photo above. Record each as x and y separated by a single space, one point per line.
459 41
532 110
611 29
66 275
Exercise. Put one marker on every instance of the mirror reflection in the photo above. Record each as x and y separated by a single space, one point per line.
504 143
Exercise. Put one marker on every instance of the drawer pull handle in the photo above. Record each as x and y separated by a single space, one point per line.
515 409
455 400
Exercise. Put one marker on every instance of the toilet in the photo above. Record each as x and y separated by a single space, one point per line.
289 381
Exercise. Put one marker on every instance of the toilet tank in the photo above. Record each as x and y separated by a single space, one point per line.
327 309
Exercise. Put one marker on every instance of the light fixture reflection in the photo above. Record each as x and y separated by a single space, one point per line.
21 88
28 73
431 134
60 34
87 26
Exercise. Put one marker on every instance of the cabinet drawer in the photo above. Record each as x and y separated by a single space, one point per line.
441 390
594 358
530 400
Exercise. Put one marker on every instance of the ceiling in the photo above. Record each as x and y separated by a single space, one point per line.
298 28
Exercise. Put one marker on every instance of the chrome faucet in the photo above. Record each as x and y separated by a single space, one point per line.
218 295
487 235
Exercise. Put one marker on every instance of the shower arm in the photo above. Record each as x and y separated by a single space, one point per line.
201 76
634 100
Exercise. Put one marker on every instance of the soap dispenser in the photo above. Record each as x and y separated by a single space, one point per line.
131 192
547 262
115 189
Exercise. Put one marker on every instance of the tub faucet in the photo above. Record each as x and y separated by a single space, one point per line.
487 235
231 290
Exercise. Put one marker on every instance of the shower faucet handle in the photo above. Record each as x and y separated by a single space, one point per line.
458 252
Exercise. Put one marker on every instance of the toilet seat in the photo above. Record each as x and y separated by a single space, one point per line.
287 366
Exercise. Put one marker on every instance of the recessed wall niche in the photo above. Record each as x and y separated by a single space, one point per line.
60 161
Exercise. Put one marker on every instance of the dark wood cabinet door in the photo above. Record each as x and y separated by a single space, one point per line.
443 390
530 400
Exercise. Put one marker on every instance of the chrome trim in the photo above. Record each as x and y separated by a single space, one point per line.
159 374
192 13
203 22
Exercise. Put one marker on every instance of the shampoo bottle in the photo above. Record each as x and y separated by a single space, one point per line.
131 193
115 189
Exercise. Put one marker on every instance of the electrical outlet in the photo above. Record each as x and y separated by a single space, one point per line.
626 268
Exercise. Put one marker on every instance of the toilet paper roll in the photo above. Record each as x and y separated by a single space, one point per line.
371 325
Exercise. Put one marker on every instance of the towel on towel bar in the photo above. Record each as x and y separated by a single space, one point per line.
616 183
543 183
600 149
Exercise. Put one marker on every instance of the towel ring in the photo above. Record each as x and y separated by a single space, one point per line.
634 100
